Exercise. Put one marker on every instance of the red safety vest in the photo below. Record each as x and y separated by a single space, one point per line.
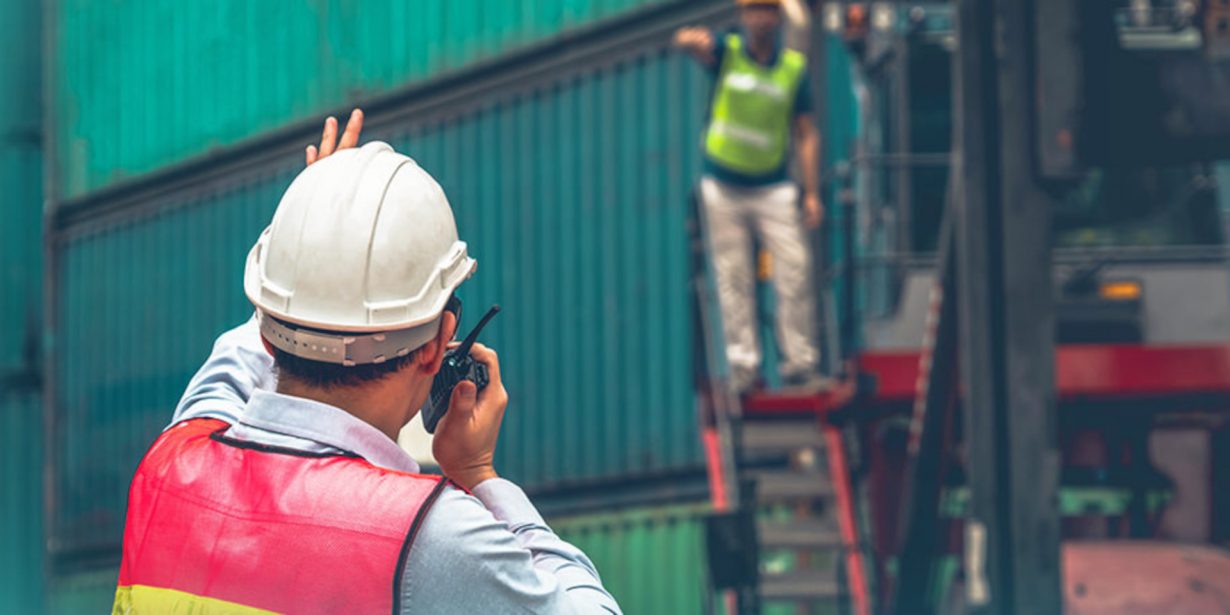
217 525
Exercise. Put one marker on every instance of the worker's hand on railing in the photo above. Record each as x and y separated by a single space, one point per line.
813 210
696 40
464 445
329 142
694 37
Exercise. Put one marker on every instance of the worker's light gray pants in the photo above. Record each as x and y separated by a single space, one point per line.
732 214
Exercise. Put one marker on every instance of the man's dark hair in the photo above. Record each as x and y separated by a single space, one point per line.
332 375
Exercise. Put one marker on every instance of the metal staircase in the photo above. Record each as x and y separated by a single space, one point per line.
790 536
798 536
783 532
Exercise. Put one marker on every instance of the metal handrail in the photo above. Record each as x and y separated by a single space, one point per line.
904 159
725 407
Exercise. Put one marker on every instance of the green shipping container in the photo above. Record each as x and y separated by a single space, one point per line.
651 559
654 560
141 84
571 187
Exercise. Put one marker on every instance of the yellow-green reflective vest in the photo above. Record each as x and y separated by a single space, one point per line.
753 104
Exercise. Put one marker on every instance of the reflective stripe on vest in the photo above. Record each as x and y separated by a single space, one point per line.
749 128
222 526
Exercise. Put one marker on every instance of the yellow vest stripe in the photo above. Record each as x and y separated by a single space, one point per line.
145 600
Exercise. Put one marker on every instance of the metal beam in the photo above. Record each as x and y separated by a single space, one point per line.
935 404
1007 339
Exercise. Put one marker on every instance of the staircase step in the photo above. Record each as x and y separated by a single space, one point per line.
776 485
799 585
798 534
781 435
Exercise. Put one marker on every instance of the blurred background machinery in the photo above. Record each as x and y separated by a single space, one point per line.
1020 169
565 132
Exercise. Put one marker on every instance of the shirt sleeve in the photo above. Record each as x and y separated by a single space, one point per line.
803 104
719 51
237 366
493 553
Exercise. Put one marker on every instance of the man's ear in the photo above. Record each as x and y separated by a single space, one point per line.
431 354
267 345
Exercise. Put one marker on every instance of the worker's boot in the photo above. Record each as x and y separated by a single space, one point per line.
810 382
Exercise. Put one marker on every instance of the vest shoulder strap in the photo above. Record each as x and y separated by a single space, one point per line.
794 60
734 42
734 47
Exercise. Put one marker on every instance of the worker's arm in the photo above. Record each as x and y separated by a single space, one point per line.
237 366
239 363
493 553
697 41
493 549
807 140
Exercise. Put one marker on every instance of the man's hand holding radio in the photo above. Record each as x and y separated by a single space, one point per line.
465 440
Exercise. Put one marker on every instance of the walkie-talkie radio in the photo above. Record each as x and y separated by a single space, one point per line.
458 365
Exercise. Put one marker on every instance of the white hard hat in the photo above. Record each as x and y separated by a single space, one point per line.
360 259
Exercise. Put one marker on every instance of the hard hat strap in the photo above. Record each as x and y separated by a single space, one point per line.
347 349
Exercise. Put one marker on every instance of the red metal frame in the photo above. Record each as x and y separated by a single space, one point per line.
713 467
835 447
1084 373
717 493
1142 371
770 402
1103 372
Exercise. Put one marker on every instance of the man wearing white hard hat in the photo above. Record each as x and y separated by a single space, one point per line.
279 486
760 109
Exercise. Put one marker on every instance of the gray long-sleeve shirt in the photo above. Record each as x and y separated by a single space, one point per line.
490 552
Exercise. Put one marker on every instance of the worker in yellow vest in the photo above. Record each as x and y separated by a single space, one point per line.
761 105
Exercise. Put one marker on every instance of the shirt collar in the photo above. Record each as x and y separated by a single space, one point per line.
777 47
327 425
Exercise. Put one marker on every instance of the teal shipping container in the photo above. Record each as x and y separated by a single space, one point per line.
140 84
21 208
21 221
570 182
21 495
82 592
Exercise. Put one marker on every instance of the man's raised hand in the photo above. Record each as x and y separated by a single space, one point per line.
329 142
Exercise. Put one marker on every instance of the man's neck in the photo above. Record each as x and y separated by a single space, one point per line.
761 49
370 403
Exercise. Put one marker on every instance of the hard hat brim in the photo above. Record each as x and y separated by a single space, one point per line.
384 316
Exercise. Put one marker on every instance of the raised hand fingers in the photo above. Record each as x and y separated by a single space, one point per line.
354 126
328 138
329 143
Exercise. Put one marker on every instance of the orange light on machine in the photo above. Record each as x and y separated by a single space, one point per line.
856 20
850 21
1121 290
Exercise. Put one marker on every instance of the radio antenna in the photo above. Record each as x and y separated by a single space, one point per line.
464 348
